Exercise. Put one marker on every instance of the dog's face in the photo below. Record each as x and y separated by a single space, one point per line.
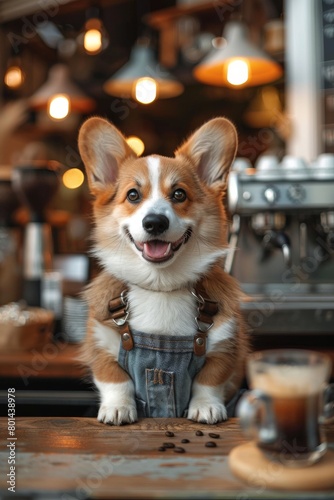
159 222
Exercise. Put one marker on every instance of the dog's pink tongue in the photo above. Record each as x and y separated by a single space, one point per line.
157 249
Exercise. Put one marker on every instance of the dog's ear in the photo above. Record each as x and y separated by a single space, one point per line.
102 148
212 149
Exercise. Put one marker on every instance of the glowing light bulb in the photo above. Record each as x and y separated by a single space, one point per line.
136 144
59 106
237 72
145 90
73 178
14 77
92 41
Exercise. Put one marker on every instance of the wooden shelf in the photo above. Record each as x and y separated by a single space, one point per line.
54 360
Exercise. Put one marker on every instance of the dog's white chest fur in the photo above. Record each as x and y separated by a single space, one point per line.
163 313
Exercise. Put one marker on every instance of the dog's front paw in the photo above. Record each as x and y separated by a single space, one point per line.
118 405
207 412
117 415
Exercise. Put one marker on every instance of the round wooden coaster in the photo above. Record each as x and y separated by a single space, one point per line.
248 463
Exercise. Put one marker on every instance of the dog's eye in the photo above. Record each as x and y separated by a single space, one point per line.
179 195
133 196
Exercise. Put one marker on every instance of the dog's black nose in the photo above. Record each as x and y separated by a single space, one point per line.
155 224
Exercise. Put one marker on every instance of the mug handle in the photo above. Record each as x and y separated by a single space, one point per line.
256 416
328 411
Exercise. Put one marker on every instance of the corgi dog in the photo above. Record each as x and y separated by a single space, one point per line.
164 335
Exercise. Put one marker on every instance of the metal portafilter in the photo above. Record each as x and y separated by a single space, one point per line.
36 184
270 225
277 239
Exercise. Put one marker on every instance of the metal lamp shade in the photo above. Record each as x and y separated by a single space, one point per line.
213 69
142 64
59 82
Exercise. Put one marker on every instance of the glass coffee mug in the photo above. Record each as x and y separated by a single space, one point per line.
288 402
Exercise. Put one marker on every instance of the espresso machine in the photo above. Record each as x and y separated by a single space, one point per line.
35 185
282 243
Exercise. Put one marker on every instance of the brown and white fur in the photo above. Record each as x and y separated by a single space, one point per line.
188 190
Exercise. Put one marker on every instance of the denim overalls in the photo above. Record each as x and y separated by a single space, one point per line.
162 370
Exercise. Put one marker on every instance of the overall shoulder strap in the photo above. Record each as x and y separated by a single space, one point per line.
207 309
119 311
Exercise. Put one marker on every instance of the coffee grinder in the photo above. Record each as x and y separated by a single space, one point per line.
10 278
35 185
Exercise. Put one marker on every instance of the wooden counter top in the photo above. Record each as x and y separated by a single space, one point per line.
79 458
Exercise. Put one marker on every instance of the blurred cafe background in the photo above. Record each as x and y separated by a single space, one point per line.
157 70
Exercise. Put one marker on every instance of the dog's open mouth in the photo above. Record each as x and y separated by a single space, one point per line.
160 250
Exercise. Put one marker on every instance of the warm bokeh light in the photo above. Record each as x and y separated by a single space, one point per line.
237 72
73 178
92 41
59 106
136 144
270 98
219 42
145 90
14 77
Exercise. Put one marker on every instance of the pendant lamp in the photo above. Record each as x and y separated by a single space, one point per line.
265 108
142 78
60 95
94 37
237 64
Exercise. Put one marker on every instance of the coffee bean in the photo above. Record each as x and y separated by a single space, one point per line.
213 435
210 444
199 433
178 449
169 434
168 445
185 441
161 448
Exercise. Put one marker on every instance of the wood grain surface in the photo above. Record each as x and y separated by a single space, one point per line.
53 360
81 458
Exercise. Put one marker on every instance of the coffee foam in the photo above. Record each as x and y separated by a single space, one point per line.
289 381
